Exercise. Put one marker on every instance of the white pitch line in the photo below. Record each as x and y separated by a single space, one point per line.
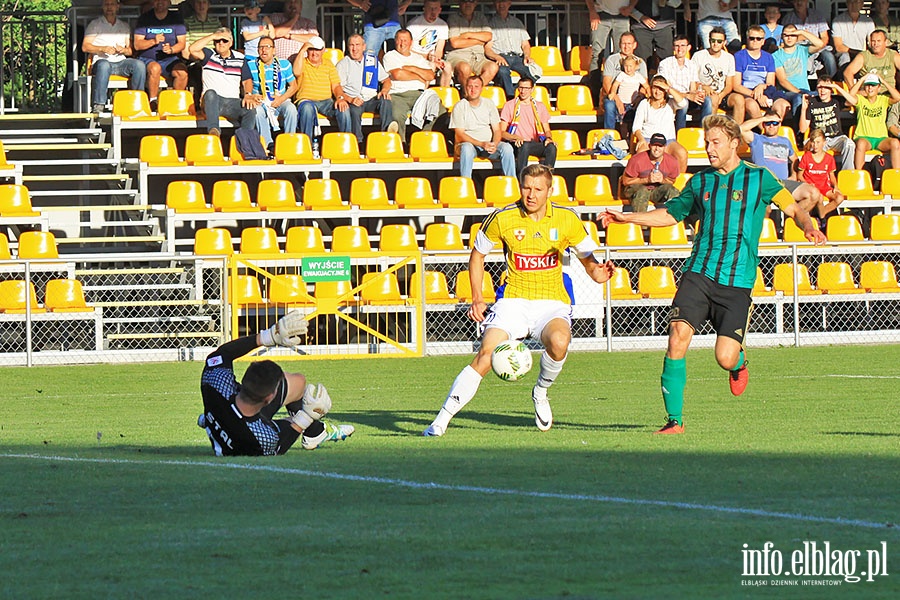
418 485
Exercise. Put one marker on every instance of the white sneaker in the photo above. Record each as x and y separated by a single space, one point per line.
543 415
331 433
393 127
433 431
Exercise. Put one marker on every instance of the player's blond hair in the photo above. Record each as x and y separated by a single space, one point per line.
536 170
728 125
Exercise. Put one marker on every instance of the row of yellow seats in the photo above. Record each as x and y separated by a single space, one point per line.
839 228
32 245
831 278
60 295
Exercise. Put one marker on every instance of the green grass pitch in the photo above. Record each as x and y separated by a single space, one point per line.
597 507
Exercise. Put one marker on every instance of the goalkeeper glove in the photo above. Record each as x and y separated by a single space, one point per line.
314 405
288 331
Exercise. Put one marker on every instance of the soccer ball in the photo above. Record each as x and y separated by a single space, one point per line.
511 360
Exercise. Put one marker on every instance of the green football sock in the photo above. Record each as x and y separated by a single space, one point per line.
673 380
740 362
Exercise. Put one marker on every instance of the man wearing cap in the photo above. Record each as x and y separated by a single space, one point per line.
292 30
222 73
650 175
525 123
269 85
319 90
509 47
361 73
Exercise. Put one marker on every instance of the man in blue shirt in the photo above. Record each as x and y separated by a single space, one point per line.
790 64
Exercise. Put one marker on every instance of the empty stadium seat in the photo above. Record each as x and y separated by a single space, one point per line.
132 105
769 234
464 287
214 241
381 289
784 280
294 149
385 147
575 99
670 235
65 296
591 228
333 54
856 184
398 238
17 297
559 192
436 289
341 147
289 289
836 278
542 95
414 192
549 58
500 190
620 286
792 233
276 195
885 227
304 239
458 192
15 201
3 162
259 240
682 180
187 197
760 289
5 254
204 150
624 234
350 238
656 281
429 146
580 60
693 140
473 234
890 183
592 189
844 228
879 277
568 142
160 151
323 194
443 236
176 105
37 244
370 193
230 195
246 291
338 292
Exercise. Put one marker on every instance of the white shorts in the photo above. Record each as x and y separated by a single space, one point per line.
521 318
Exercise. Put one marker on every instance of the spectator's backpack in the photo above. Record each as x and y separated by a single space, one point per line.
876 168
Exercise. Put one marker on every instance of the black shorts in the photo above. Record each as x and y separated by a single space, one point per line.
699 299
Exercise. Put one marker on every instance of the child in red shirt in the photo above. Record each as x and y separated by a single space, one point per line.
817 168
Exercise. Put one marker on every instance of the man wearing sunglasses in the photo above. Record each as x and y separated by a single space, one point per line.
811 20
715 69
221 75
754 78
715 13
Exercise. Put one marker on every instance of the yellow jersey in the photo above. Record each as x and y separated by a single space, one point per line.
534 249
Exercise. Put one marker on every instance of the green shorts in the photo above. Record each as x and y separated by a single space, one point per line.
872 140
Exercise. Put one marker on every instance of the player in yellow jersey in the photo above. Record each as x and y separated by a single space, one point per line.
534 235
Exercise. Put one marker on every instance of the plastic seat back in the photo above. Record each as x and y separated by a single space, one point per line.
333 54
844 228
890 182
335 290
232 195
259 240
428 146
246 290
202 149
759 285
595 135
885 227
289 289
464 287
792 233
575 99
15 201
592 189
160 151
369 193
567 142
769 234
784 280
341 147
656 282
176 105
836 278
385 146
17 296
443 236
187 197
590 227
380 289
132 105
693 140
559 192
856 184
303 239
580 59
37 244
436 289
323 194
624 234
294 149
449 96
671 235
5 254
879 276
620 285
458 192
550 60
237 157
350 238
414 192
398 237
65 295
276 194
214 241
542 95
495 94
500 190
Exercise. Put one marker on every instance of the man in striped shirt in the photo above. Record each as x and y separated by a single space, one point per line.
222 70
730 198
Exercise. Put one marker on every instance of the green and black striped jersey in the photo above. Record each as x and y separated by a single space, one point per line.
731 209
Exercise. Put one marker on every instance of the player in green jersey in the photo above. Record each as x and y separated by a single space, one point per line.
731 198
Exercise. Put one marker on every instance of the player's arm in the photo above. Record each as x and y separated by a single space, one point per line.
476 278
654 218
801 217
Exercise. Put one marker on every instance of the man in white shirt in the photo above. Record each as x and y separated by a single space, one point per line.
476 125
109 39
683 76
510 47
360 74
715 69
430 34
850 32
411 73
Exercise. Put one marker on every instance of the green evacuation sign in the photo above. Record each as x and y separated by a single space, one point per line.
327 268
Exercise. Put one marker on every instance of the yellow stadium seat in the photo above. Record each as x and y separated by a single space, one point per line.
836 278
879 277
333 54
339 291
16 297
276 195
856 184
656 282
759 286
542 95
246 290
624 234
214 241
844 228
429 146
568 142
549 58
890 183
398 238
65 296
160 151
350 238
230 195
259 240
381 289
204 150
341 147
294 149
370 193
494 94
436 289
500 190
620 286
414 192
443 236
458 192
682 180
15 201
559 192
575 99
784 280
671 235
473 234
304 239
592 189
289 289
591 228
187 197
5 254
132 105
693 140
580 60
37 244
176 105
385 147
885 228
769 234
464 287
237 157
3 163
449 96
323 194
792 233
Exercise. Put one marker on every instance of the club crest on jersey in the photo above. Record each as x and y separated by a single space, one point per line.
706 197
535 262
554 234
737 195
519 234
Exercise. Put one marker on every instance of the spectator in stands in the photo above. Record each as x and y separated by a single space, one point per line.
108 38
889 24
609 20
650 175
628 89
817 167
222 74
510 47
253 27
823 112
470 32
871 131
430 34
360 73
476 125
754 78
269 87
319 90
525 123
611 69
776 153
656 115
885 61
654 28
292 30
159 38
850 31
715 13
791 61
814 22
199 25
683 75
772 28
411 73
381 20
715 68
893 120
